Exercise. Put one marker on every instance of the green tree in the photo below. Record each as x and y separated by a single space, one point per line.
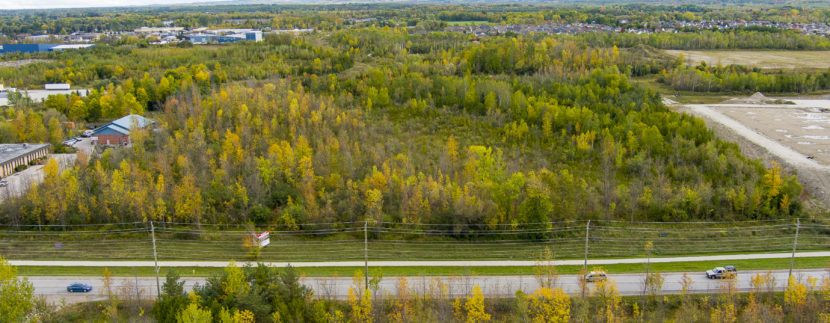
193 314
172 300
16 295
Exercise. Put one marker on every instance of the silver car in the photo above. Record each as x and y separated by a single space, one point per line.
595 276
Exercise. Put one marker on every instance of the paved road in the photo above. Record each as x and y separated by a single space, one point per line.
482 263
54 288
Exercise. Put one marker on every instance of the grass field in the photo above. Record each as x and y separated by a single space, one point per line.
771 59
743 265
566 241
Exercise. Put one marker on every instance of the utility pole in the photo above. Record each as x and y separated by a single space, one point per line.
366 253
795 245
155 259
648 248
587 231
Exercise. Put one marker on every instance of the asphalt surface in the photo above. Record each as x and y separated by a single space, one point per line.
54 288
20 182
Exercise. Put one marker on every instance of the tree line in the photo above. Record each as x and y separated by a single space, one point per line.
734 78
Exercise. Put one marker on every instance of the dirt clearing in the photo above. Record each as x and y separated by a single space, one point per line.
796 135
773 59
23 62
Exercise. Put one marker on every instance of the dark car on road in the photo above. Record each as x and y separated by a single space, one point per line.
722 272
79 288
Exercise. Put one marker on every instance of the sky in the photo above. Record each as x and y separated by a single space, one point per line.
47 4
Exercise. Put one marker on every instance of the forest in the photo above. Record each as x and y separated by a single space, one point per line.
736 78
361 121
383 125
381 117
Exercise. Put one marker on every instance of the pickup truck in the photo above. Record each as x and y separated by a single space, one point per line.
722 272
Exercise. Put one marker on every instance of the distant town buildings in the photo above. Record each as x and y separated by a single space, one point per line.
224 36
239 21
74 38
168 34
483 31
292 31
40 95
13 156
158 30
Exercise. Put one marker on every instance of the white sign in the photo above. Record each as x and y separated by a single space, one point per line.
264 239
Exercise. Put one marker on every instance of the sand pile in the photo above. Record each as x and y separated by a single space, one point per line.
757 98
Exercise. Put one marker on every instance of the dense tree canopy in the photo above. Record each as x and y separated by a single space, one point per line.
383 124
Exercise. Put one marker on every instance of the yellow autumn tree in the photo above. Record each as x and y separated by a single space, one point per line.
772 180
403 310
244 316
475 307
549 305
796 293
361 306
608 298
724 313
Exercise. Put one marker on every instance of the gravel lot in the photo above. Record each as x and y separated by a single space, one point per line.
787 133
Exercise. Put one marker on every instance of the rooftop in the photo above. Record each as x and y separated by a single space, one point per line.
128 121
124 124
12 151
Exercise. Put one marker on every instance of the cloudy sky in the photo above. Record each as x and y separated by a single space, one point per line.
45 4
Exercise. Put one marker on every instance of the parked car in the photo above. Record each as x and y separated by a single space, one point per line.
4 183
722 272
70 142
87 133
595 276
79 288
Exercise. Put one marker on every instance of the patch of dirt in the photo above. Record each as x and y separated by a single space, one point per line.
756 99
23 62
816 182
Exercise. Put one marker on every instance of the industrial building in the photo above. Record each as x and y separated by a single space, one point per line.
56 86
38 48
118 132
224 36
13 155
4 92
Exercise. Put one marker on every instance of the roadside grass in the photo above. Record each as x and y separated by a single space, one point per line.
607 242
742 265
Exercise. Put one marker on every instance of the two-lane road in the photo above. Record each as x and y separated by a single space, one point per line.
54 288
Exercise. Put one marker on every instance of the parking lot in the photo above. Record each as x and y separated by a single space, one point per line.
21 181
